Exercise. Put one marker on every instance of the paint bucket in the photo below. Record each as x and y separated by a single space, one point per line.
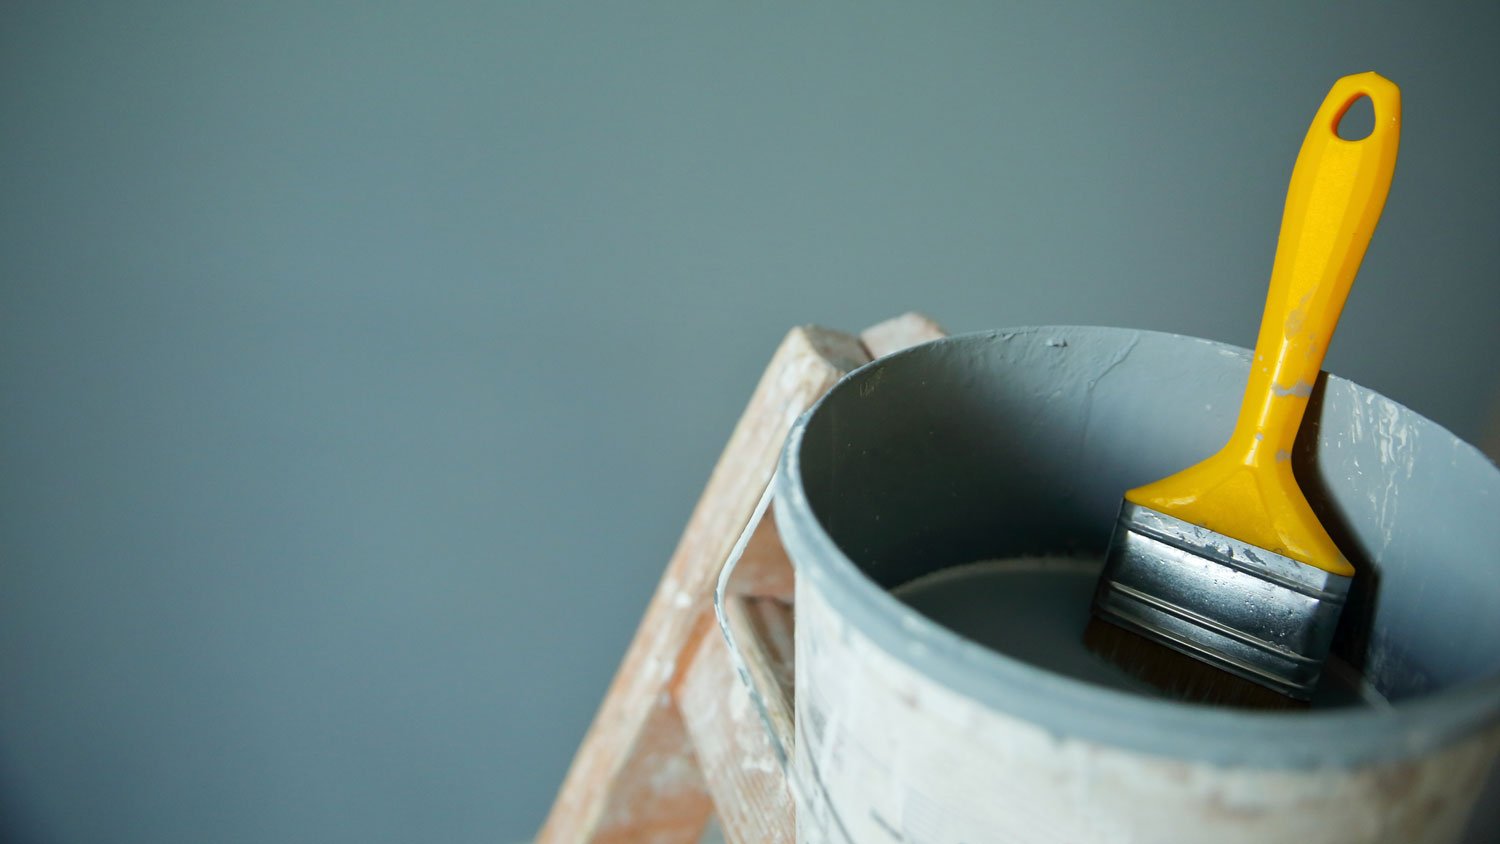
1020 443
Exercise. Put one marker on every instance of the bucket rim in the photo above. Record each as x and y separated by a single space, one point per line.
1075 709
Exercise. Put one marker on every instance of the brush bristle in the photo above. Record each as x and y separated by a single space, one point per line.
1181 676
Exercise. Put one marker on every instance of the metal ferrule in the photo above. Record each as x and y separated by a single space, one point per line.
1262 616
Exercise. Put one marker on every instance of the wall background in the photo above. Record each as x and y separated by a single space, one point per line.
360 363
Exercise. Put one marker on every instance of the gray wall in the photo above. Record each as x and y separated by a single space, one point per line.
360 364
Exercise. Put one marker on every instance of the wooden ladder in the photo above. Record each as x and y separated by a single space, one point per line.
678 738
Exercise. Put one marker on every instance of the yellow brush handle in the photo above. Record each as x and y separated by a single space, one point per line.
1338 189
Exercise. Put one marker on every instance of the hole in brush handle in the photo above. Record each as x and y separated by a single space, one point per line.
1356 121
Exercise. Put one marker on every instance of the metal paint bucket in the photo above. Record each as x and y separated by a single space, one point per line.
1021 442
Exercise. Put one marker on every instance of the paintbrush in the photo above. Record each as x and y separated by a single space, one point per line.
1220 584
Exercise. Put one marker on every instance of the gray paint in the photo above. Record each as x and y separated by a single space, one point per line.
328 500
1017 442
1031 609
